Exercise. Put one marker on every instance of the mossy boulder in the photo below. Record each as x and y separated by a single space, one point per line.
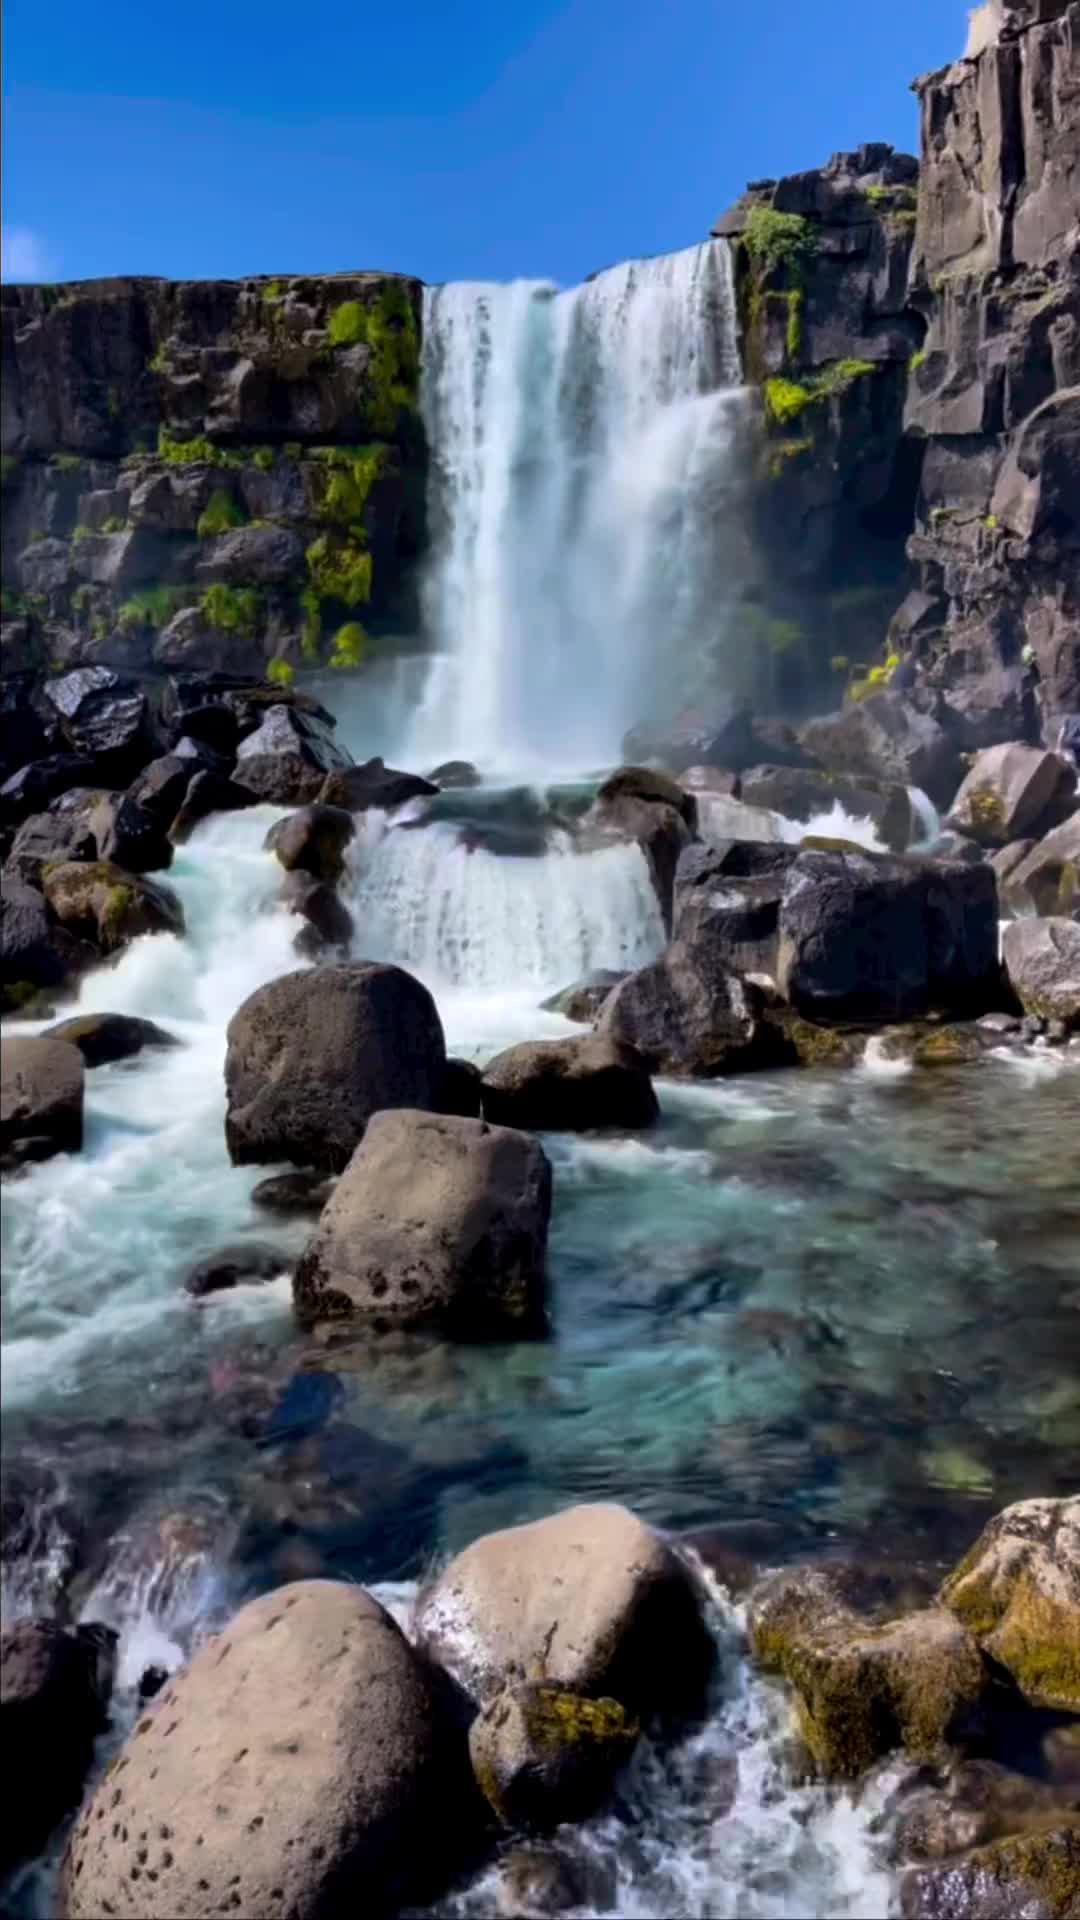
105 904
977 1801
865 1688
1018 1593
1029 1876
1012 790
542 1754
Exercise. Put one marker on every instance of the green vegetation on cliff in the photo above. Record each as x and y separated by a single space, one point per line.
232 609
388 329
350 646
775 240
221 514
339 569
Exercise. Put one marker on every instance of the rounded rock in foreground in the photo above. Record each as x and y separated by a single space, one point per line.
543 1755
104 1037
41 1095
290 1769
1018 1591
590 1600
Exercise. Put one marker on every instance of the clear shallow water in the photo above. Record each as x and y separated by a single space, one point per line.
807 1310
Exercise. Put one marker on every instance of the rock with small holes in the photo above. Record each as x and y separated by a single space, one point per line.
287 1771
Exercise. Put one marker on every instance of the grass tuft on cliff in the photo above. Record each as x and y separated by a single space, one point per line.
221 514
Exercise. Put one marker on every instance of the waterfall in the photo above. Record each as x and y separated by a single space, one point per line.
582 450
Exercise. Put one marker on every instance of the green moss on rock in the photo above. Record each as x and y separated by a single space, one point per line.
1018 1592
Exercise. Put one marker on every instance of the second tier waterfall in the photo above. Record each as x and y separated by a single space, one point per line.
583 477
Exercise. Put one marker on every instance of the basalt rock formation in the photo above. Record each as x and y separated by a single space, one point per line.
209 474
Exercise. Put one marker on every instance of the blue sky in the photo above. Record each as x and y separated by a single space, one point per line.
455 139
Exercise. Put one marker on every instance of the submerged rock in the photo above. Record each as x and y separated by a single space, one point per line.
41 1097
292 1193
864 1688
1042 961
312 1055
1018 1591
233 1267
543 1755
54 1692
569 1086
436 1220
590 1600
289 1769
455 775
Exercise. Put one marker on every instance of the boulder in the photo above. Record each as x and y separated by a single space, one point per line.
233 1267
41 1095
45 837
1026 1876
723 737
311 1056
633 807
865 1687
1011 791
104 1037
103 715
802 792
885 737
1042 963
329 922
583 999
1047 879
569 1086
207 793
129 836
373 785
455 775
25 734
246 556
38 783
313 841
1005 861
590 1600
976 1802
684 1016
543 1755
461 1090
290 1768
35 951
303 1193
1018 1591
54 1693
160 788
871 937
727 903
436 1220
287 758
103 903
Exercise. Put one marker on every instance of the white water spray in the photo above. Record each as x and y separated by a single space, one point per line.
581 505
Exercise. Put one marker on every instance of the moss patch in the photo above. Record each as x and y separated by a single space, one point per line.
231 609
220 515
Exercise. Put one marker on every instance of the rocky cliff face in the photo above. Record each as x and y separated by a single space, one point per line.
822 261
915 331
995 392
210 473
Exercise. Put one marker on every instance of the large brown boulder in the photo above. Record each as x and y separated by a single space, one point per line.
313 840
885 737
865 1687
1011 791
1042 961
103 903
590 1600
436 1220
299 1766
311 1056
686 1016
569 1086
1018 1591
639 806
54 1692
871 937
41 1095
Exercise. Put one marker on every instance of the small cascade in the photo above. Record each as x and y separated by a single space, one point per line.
463 918
581 504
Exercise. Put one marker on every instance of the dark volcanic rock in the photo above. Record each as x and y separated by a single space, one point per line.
233 1267
290 1193
40 782
129 836
102 714
583 999
207 793
104 1037
56 1687
35 951
569 1085
373 785
313 841
313 1055
727 903
802 792
870 937
636 806
329 922
45 837
886 737
288 757
685 1016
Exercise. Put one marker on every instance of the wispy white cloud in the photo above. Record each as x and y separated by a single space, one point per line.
23 255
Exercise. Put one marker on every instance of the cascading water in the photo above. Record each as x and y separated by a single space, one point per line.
583 471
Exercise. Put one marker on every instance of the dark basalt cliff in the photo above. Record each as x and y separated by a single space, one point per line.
915 331
209 473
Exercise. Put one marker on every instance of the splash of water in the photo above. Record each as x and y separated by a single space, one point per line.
583 465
